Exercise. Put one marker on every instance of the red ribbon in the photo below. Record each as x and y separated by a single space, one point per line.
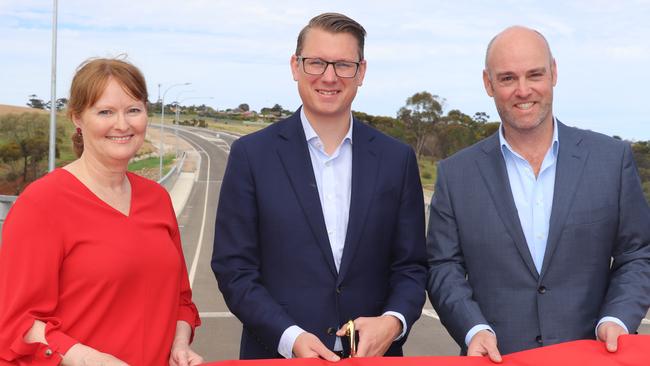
633 350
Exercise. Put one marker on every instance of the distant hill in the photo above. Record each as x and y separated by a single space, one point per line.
5 109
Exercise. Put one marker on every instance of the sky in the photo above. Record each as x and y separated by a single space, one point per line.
235 52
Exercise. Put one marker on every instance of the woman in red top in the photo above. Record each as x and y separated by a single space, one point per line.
91 266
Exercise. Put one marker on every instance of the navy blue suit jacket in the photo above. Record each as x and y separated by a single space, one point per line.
597 259
272 257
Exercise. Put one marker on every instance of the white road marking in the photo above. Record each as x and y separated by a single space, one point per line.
216 314
430 313
195 260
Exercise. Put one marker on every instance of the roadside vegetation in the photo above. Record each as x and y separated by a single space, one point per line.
24 148
421 123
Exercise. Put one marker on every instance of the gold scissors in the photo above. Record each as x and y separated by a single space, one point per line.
350 333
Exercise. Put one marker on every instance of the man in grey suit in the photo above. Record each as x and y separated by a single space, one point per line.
539 234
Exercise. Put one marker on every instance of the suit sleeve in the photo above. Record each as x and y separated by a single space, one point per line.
628 295
236 254
449 291
30 260
408 267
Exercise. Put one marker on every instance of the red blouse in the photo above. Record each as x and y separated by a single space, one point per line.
112 282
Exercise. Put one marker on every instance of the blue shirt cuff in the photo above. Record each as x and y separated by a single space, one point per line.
475 329
402 320
611 319
288 338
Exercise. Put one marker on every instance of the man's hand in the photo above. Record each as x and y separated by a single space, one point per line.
484 343
608 332
376 334
308 345
82 355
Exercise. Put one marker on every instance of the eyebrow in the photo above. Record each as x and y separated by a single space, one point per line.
541 70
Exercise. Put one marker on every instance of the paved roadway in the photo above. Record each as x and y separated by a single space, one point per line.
218 337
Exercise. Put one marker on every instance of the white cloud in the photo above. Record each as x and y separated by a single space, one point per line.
238 51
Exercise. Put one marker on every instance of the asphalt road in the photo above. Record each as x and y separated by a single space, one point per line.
218 337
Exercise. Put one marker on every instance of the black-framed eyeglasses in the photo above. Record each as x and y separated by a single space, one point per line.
317 66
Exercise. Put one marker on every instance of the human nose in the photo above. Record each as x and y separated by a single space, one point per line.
523 89
121 121
329 74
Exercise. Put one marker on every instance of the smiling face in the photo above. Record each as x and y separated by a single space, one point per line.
114 127
327 96
520 75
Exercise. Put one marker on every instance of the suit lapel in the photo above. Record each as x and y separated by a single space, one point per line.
365 164
570 164
294 154
493 170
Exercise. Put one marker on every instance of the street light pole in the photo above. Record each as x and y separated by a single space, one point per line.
162 127
52 152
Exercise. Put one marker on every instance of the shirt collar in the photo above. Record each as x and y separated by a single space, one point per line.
505 146
310 134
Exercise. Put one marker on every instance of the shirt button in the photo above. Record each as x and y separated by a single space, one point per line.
538 339
338 290
48 353
331 331
541 290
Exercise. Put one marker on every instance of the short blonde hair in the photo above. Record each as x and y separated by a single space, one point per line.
333 23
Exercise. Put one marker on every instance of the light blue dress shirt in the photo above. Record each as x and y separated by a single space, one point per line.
333 175
533 198
533 195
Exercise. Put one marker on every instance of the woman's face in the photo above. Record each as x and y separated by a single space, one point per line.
114 127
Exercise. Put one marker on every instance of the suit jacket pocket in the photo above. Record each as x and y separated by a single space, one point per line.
582 217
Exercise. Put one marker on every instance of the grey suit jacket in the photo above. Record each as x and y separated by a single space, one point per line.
597 260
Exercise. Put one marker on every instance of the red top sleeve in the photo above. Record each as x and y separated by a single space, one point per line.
30 259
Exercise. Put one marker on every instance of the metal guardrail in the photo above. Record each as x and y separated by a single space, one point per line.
5 204
170 178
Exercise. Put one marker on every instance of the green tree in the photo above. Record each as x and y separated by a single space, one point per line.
244 107
481 117
35 102
388 125
60 104
26 146
420 115
456 132
277 108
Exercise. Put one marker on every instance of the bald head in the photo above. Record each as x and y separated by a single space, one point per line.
513 36
520 75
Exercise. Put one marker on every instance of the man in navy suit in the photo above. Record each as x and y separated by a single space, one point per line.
539 234
321 218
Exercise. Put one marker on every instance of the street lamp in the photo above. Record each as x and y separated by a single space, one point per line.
162 126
